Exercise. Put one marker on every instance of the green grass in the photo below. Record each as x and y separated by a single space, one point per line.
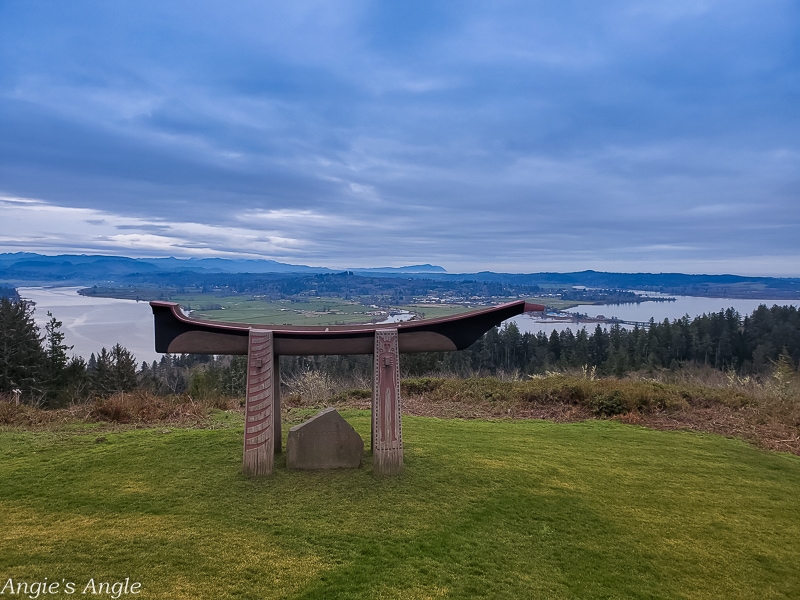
433 311
238 309
503 509
316 311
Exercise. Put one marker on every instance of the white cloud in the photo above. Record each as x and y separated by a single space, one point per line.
94 230
507 135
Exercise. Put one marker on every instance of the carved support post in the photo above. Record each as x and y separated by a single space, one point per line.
276 403
259 424
387 428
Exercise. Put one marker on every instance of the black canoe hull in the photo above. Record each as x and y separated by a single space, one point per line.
177 333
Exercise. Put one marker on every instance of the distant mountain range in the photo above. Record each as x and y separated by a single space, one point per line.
31 267
24 268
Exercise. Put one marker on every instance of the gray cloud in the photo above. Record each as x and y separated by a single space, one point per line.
515 136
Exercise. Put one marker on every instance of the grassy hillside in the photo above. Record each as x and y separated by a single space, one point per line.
494 509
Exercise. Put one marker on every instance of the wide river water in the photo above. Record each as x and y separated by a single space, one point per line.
90 324
694 306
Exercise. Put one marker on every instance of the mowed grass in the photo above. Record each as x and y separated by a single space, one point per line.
503 509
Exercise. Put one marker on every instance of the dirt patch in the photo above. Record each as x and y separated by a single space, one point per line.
745 423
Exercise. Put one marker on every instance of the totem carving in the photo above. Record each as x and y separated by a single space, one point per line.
259 427
387 427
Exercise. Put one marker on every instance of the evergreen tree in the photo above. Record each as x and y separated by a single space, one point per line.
598 346
554 348
21 355
101 372
511 347
55 373
77 384
115 371
123 369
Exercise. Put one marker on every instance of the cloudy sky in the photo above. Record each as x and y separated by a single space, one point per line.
508 136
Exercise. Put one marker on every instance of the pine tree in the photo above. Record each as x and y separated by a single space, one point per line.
21 355
114 371
77 383
124 369
100 372
55 372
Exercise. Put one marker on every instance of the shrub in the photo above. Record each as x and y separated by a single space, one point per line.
420 385
148 408
608 405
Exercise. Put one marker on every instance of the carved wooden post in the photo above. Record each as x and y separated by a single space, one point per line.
387 428
276 403
259 424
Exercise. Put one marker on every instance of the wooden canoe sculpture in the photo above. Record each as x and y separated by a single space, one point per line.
263 344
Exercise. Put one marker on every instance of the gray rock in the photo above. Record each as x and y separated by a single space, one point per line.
325 441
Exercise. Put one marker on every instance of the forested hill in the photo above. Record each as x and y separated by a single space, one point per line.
27 268
80 268
731 286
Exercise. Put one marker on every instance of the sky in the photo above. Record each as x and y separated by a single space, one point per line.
632 136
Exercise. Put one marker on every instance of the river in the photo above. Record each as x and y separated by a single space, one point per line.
694 306
90 324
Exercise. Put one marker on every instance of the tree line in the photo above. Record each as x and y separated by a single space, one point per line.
724 340
39 366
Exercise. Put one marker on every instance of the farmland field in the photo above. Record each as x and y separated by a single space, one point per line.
327 311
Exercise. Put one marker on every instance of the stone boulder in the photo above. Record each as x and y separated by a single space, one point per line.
325 441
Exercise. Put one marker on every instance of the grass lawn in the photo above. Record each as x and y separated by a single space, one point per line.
504 509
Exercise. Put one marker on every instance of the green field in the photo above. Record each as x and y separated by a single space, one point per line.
300 310
317 311
432 311
324 311
492 509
